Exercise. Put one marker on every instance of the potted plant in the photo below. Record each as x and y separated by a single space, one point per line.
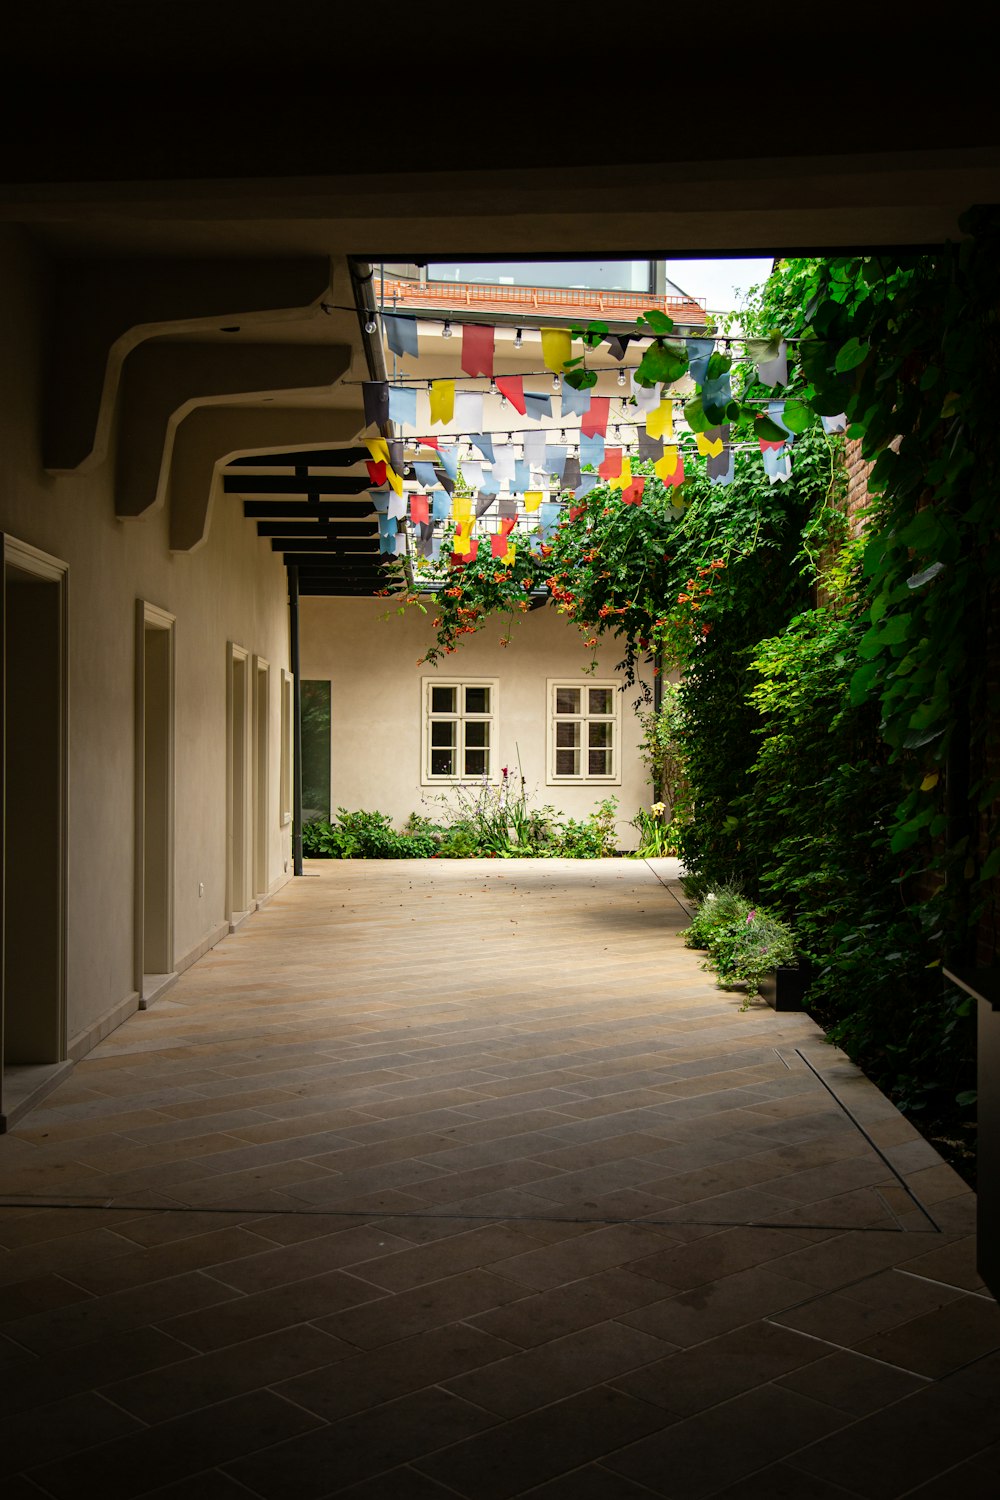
748 945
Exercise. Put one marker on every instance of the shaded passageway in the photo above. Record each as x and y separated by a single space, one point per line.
445 1179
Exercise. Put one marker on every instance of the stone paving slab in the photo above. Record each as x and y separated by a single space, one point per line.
463 1178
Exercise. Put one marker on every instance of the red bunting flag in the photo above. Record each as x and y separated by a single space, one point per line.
499 544
633 495
612 465
512 386
428 443
477 349
459 559
677 477
418 508
376 472
594 423
766 443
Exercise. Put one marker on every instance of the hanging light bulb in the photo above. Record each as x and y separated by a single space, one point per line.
562 435
503 403
555 382
370 324
493 387
518 339
446 330
621 377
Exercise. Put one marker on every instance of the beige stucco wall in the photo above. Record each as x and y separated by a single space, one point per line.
376 703
233 588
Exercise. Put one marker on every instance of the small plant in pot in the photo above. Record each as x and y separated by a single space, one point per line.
746 945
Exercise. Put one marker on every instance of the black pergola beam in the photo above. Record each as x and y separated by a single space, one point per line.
296 510
313 458
311 545
310 559
292 484
314 528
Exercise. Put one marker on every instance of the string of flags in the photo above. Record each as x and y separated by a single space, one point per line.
493 472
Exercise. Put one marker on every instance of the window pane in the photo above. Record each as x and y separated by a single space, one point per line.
477 700
477 732
442 731
599 734
442 700
600 700
476 762
567 700
442 762
567 734
315 750
599 762
567 762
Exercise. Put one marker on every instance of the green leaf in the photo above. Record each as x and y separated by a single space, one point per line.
797 416
990 865
760 350
769 431
966 1097
581 380
815 359
850 355
861 681
694 415
661 364
655 321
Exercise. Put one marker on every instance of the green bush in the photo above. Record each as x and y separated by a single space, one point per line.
592 837
364 835
743 951
718 909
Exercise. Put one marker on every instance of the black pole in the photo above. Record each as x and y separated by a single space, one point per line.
657 705
293 630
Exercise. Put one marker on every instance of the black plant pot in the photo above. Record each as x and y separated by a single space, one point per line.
784 989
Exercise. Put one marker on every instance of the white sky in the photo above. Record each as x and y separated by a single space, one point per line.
720 282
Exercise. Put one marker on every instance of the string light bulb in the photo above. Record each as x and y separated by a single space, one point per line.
518 339
446 330
555 381
370 324
621 377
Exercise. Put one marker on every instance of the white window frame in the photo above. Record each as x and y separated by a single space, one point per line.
553 684
428 717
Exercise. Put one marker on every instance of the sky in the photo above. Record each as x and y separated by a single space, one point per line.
718 281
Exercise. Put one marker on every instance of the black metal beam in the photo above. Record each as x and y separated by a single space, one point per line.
292 484
314 528
307 559
319 458
307 545
302 509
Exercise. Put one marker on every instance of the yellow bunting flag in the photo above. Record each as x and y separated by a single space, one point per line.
532 499
442 395
510 554
394 479
556 348
461 507
660 421
379 449
463 538
708 447
624 479
666 465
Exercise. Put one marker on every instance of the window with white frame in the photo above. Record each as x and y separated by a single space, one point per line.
460 720
584 728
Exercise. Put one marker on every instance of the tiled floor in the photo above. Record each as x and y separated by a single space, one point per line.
462 1179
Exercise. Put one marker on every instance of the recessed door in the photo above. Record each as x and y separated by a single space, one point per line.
154 856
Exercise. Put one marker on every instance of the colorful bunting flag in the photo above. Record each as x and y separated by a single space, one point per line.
522 475
722 470
595 422
441 505
444 479
449 457
709 444
587 483
483 503
556 348
670 468
592 449
397 504
632 495
537 406
378 448
834 424
503 463
463 537
484 443
418 509
403 405
401 334
650 448
424 474
555 459
498 544
549 516
442 396
376 397
617 344
772 367
472 473
612 464
469 411
461 507
380 499
646 398
571 474
700 351
660 421
623 478
512 386
532 499
777 464
574 403
534 449
477 349
376 472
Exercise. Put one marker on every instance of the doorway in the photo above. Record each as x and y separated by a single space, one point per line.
238 785
261 730
154 810
33 1005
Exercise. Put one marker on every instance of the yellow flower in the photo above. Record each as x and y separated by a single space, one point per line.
658 809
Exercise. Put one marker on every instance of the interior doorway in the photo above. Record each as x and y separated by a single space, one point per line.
34 623
154 810
238 785
261 732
